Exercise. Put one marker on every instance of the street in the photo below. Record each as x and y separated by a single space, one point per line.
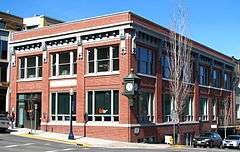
11 143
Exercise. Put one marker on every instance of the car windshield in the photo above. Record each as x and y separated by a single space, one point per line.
233 137
205 135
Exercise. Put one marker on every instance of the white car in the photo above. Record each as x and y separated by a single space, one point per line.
232 141
4 122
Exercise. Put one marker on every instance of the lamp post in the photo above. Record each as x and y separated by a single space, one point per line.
70 135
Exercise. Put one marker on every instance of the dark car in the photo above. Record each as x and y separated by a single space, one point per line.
207 139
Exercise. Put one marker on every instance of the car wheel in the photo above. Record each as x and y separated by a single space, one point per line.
194 146
238 146
211 145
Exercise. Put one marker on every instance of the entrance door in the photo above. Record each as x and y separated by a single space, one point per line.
26 110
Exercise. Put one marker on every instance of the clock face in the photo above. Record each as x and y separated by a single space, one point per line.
129 86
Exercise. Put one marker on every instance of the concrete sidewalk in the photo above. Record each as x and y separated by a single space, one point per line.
83 141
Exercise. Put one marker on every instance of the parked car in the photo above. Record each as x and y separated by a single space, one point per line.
208 139
232 141
4 122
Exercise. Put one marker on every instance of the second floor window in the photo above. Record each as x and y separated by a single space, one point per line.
203 75
216 78
30 67
166 67
145 61
227 81
103 59
64 63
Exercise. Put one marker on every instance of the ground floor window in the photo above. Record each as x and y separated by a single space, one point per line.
103 105
60 106
203 108
238 110
26 109
145 107
167 107
214 109
188 109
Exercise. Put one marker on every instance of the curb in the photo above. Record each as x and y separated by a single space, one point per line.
55 140
178 146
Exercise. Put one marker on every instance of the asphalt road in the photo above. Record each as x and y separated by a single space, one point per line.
11 143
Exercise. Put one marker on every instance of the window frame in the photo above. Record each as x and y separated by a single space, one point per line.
55 67
64 116
96 60
92 117
149 64
24 70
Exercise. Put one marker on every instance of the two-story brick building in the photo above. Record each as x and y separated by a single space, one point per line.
92 56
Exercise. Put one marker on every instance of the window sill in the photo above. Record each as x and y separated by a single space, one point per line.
62 77
146 75
29 79
211 87
101 74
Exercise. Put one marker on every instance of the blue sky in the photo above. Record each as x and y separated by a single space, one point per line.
215 23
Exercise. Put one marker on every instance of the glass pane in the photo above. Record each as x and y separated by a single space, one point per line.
53 104
74 105
90 93
167 104
39 71
90 67
64 57
54 59
22 64
64 69
115 102
31 72
91 55
40 61
22 73
31 61
54 70
75 68
115 52
115 64
63 103
103 53
103 102
103 66
143 104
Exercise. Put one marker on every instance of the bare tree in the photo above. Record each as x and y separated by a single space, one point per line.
178 52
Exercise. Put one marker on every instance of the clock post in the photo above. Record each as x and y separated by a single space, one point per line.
131 86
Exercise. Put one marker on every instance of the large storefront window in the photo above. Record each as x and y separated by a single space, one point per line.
145 107
204 108
167 107
145 61
103 105
203 75
26 109
64 63
103 59
30 67
60 106
216 78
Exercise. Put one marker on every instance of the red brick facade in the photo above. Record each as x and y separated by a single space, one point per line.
126 126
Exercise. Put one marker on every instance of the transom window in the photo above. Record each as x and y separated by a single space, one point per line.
203 75
30 67
64 63
60 106
145 61
103 59
103 105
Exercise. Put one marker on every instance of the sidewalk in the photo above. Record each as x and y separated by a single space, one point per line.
83 141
